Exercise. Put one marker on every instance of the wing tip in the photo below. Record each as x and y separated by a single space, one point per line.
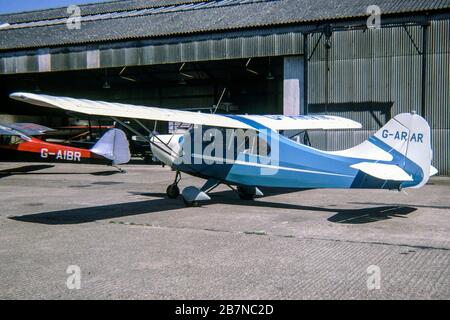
18 96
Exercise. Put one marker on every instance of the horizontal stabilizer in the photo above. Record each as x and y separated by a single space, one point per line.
433 171
383 171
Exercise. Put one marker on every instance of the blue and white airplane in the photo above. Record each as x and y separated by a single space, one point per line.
248 152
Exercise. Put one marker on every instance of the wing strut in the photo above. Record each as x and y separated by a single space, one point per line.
151 135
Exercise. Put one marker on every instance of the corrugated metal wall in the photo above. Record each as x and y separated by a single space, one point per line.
375 74
438 92
138 54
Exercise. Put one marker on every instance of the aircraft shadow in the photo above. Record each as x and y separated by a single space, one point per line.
23 170
162 204
369 215
415 205
90 214
31 169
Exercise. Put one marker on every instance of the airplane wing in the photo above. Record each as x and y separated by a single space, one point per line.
305 122
383 171
119 110
8 131
4 131
30 129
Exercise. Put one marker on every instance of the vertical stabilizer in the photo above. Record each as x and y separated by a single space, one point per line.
408 136
113 145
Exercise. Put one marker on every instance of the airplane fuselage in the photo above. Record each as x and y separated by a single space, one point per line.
288 165
37 150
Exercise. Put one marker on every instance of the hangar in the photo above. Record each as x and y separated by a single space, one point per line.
272 56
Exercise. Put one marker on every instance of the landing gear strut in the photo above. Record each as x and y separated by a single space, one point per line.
173 191
120 169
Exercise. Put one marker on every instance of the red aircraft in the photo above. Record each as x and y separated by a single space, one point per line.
21 142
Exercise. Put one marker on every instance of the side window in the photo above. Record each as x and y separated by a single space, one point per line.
263 148
4 140
16 140
249 142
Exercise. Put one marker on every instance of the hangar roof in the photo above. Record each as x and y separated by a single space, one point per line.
144 19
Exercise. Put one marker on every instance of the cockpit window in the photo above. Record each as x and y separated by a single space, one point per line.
226 143
16 140
249 142
8 140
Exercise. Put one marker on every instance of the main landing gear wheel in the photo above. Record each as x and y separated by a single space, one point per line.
173 191
246 193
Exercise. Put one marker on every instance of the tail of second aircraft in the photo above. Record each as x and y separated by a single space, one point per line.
113 145
405 155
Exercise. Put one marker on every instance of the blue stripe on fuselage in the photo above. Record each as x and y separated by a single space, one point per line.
300 166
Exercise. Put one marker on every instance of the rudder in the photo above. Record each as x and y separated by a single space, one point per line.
114 146
409 137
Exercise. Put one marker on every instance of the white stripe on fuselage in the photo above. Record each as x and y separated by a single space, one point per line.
259 165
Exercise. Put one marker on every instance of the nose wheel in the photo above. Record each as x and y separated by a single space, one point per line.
173 191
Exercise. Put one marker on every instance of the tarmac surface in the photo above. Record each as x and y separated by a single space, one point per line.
131 242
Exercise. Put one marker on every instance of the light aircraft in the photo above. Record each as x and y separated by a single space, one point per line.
20 141
247 152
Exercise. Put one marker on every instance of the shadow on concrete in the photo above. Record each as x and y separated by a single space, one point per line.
23 170
106 173
149 194
162 204
222 194
31 169
368 215
90 214
400 205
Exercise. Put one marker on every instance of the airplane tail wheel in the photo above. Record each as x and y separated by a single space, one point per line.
173 191
191 203
246 193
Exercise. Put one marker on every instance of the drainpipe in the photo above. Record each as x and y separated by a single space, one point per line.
424 65
328 34
305 80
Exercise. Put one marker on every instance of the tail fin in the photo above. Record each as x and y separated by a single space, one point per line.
113 145
407 137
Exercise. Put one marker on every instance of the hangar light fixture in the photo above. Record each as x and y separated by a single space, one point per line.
124 77
183 73
250 70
